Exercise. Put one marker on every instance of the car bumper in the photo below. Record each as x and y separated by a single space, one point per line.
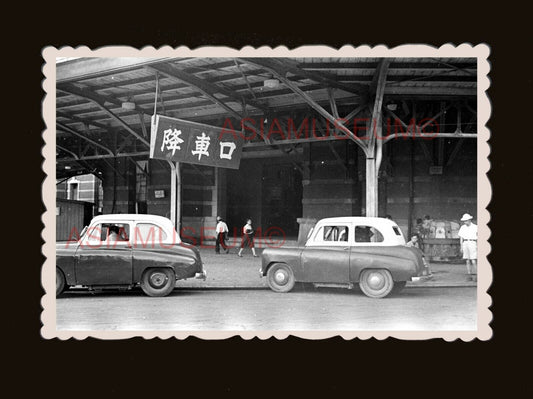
201 276
420 279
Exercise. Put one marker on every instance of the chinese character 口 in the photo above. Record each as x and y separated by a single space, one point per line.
229 146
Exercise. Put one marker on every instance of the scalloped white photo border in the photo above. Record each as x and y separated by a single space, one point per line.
484 192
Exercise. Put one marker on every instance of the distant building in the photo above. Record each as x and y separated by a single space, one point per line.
78 199
86 188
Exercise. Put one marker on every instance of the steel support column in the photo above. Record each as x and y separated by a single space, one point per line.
175 194
375 142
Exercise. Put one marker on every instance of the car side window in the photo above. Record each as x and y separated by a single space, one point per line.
367 234
149 232
334 233
115 232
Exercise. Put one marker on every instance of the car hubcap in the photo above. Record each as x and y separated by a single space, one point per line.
158 279
281 277
376 281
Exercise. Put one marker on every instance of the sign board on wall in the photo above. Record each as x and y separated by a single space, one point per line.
435 170
159 193
189 142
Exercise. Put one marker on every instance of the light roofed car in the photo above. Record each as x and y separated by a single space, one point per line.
126 250
344 251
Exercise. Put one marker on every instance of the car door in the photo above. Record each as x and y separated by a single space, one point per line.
148 240
101 261
366 250
326 257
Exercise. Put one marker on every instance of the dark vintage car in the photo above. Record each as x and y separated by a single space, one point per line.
123 251
344 251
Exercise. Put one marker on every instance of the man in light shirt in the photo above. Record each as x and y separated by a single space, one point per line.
221 230
468 235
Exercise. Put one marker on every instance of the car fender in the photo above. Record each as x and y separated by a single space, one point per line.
291 256
400 261
179 258
65 260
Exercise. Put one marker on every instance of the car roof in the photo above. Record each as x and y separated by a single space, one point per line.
132 216
360 220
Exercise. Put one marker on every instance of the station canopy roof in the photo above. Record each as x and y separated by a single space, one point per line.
104 105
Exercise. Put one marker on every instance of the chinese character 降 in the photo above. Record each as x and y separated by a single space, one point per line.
226 146
202 144
172 140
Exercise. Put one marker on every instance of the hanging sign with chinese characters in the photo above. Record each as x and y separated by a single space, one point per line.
190 142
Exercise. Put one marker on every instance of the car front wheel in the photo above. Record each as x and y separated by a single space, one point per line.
376 283
280 278
158 282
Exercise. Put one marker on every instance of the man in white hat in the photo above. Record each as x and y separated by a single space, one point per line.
468 235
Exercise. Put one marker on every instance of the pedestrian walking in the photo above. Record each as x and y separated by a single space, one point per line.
247 238
468 235
221 231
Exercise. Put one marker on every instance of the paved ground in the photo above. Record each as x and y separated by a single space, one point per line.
234 297
230 271
414 309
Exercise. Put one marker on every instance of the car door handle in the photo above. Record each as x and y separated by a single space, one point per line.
346 248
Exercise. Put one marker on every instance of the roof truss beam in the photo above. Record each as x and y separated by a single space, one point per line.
280 73
100 101
284 66
207 88
83 137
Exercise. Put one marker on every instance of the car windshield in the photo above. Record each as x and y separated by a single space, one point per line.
309 234
83 232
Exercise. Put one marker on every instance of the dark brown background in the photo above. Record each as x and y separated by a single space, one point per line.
168 368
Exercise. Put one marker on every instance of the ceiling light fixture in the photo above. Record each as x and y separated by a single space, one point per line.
271 83
129 104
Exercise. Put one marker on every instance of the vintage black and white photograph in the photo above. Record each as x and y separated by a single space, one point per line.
266 192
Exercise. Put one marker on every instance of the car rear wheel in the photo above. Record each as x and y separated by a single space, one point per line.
60 282
158 282
376 283
280 278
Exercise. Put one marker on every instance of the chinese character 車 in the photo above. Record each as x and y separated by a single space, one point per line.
202 144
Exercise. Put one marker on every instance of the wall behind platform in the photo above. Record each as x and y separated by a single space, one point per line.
331 186
444 192
199 198
244 187
119 187
322 179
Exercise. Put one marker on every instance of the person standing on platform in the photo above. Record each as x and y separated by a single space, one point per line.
221 231
414 242
468 235
247 238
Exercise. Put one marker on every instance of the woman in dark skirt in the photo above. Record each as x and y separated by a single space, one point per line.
247 238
